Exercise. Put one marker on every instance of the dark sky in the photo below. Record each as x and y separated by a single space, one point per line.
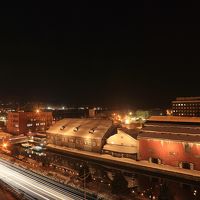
120 54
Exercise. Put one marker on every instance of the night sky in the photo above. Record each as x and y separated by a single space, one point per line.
117 54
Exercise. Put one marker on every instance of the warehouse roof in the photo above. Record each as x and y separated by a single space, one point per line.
174 119
172 124
169 136
87 128
170 128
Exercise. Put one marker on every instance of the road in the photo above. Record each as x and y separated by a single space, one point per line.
35 186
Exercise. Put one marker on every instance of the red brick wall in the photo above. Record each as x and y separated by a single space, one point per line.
24 118
170 152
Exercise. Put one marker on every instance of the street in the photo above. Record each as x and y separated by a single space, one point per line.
35 186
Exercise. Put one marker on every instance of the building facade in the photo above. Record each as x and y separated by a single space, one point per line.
84 134
122 144
24 122
171 140
186 106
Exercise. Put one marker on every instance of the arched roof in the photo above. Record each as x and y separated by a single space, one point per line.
85 128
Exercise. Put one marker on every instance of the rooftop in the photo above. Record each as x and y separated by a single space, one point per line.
174 119
86 128
172 128
169 136
187 98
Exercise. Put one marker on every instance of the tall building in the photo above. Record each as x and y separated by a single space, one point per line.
186 106
24 122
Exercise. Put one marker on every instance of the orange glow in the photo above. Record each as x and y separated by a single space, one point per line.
5 145
127 121
37 111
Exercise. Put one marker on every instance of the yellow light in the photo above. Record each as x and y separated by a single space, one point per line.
130 113
37 111
127 121
5 145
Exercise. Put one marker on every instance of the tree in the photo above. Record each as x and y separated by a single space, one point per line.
119 184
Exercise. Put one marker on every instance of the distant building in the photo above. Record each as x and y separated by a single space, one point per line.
156 112
69 113
84 134
186 106
171 140
24 122
92 112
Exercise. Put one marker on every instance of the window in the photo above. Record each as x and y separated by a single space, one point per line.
77 141
71 140
187 148
94 144
87 143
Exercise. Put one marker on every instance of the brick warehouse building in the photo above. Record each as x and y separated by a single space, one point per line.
84 134
172 141
24 122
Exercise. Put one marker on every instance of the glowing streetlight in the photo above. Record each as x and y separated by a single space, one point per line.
37 111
